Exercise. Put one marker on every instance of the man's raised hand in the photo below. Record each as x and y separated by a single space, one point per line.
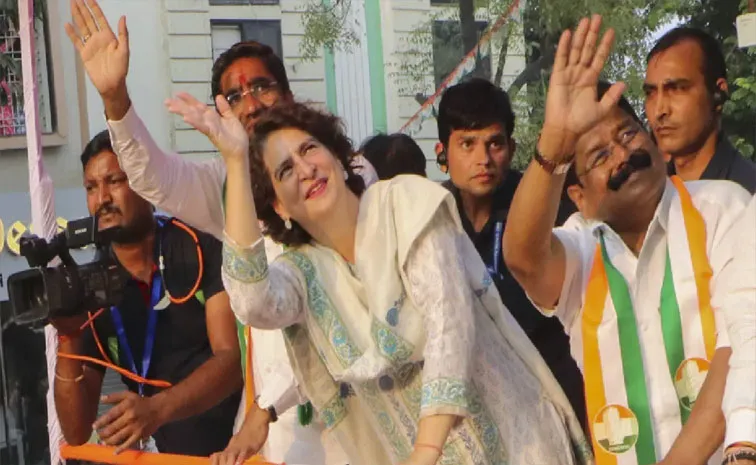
572 105
105 56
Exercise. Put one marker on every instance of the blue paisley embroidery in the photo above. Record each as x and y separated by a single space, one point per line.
333 412
410 397
445 391
391 345
459 444
245 265
486 430
372 396
325 315
471 445
409 421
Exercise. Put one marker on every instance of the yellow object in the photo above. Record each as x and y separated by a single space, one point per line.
15 232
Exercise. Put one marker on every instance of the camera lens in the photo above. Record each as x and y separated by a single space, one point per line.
28 296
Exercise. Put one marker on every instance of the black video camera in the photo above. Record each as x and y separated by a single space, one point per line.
43 293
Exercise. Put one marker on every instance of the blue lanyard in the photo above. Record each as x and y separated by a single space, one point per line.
149 338
498 235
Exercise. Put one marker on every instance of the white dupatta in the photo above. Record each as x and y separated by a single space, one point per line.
360 325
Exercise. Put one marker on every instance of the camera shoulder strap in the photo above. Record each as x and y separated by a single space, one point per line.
196 292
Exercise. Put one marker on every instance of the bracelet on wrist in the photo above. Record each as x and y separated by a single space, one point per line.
549 165
429 446
71 380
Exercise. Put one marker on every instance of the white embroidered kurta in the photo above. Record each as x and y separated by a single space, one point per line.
460 364
193 192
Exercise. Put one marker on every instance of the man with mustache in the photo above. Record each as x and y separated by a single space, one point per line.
686 89
174 324
475 129
251 78
640 286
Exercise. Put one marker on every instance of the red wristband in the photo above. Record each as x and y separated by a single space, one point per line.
430 446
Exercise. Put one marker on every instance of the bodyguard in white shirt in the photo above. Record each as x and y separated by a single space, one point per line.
641 285
252 78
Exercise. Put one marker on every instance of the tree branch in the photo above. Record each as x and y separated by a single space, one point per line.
532 72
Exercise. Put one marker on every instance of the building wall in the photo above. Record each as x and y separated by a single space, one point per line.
60 151
147 80
191 50
352 80
172 51
190 46
82 114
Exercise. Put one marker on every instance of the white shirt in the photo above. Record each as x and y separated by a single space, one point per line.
739 403
721 204
193 192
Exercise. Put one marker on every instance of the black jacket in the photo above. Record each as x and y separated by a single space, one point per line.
547 334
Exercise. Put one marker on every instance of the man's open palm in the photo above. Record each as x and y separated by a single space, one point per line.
571 103
105 56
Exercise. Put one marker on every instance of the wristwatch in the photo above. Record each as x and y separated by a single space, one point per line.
270 409
550 166
273 415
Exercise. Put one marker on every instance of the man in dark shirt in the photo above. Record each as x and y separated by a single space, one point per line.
686 88
475 125
174 324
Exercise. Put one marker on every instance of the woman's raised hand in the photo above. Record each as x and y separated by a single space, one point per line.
223 129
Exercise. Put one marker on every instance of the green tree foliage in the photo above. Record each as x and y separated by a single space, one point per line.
542 21
718 18
326 26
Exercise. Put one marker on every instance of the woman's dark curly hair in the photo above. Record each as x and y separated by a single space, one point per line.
326 129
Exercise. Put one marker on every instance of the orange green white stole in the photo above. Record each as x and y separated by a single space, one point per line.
688 328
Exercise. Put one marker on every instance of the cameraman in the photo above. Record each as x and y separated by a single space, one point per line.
187 339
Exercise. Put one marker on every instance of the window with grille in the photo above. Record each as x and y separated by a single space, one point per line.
226 33
11 91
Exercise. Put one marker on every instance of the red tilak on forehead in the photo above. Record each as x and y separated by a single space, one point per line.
242 81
